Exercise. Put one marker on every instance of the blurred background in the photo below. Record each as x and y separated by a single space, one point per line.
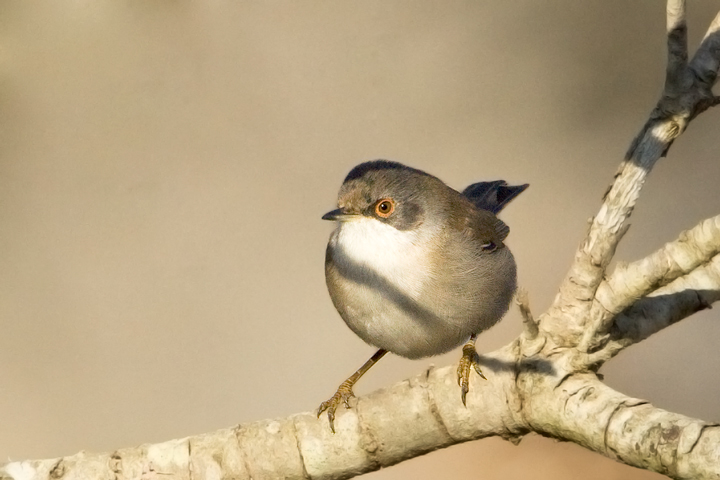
164 166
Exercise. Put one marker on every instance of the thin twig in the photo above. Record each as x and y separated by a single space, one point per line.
523 303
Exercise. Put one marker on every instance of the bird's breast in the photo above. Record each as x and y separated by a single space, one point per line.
398 290
381 253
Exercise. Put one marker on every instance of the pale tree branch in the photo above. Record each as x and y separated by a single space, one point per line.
706 62
677 44
523 302
629 283
388 426
585 411
542 382
426 416
687 93
664 307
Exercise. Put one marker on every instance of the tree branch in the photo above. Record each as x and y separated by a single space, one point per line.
411 418
586 411
687 93
677 44
629 283
666 306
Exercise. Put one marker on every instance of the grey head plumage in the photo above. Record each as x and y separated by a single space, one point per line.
490 196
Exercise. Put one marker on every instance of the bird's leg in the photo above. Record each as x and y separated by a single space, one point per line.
470 358
344 391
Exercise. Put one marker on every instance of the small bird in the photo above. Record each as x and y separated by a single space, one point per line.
416 268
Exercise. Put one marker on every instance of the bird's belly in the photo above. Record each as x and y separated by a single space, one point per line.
401 328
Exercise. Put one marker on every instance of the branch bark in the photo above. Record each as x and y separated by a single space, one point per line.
586 411
543 382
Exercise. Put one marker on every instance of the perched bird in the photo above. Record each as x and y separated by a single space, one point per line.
416 268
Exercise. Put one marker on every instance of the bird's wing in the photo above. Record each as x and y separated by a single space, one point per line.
481 224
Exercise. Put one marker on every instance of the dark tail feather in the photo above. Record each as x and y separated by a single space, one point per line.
493 196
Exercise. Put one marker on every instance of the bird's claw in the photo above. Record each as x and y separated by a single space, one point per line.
343 395
470 358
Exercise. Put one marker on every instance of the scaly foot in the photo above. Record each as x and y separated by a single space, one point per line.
470 358
343 395
344 392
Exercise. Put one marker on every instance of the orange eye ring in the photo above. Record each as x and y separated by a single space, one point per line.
385 207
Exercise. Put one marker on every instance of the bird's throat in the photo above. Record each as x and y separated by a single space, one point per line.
400 257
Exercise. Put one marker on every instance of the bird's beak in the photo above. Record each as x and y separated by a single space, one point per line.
339 215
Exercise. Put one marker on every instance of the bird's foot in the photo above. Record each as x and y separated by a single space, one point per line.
470 358
343 395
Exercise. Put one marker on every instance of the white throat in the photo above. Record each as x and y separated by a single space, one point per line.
398 256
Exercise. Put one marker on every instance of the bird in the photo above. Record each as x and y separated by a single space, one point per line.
416 268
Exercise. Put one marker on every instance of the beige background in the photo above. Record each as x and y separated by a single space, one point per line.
164 166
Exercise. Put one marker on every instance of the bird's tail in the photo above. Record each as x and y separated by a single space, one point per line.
493 196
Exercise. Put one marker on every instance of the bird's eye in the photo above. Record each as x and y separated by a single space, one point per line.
385 207
489 247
